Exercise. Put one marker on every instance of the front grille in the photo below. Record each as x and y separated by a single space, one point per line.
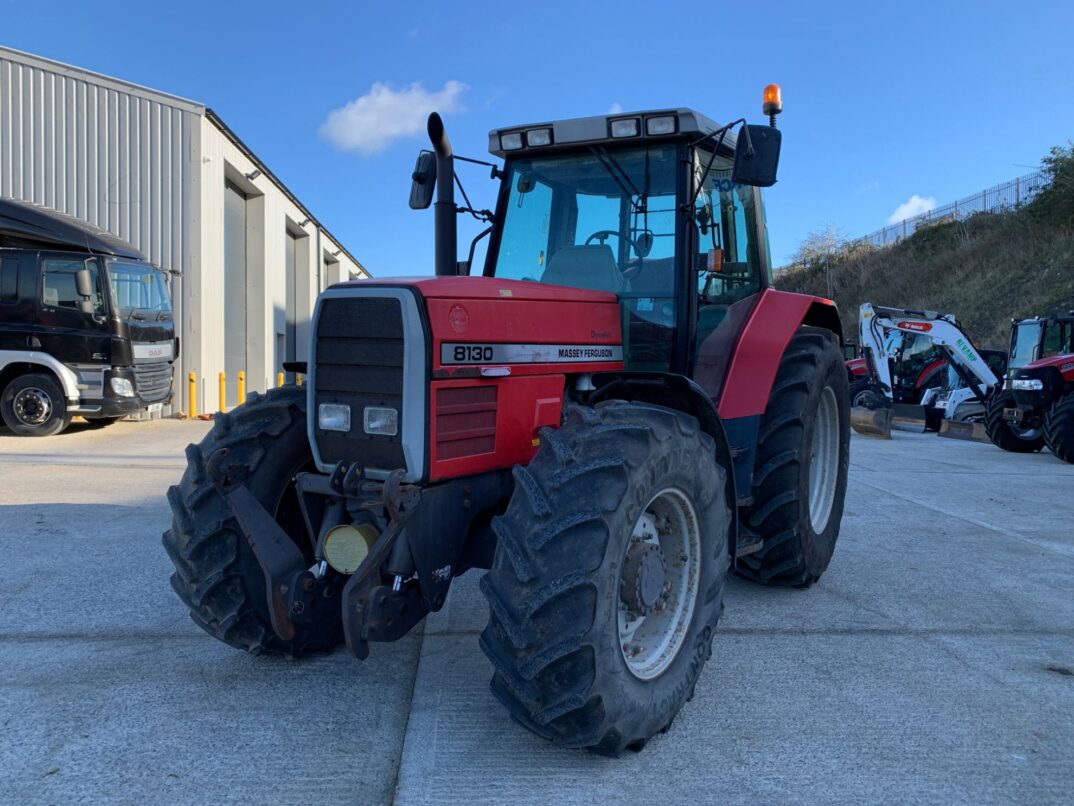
358 361
153 381
465 421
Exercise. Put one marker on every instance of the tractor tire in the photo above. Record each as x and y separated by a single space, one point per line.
216 573
34 405
800 471
571 563
1000 431
1059 428
859 392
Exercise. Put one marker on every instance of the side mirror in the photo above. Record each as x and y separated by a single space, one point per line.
84 283
757 166
86 306
423 181
526 182
643 244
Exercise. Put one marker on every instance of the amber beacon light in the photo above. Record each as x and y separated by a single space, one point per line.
773 102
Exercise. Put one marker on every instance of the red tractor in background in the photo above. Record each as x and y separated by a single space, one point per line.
917 365
612 413
1036 405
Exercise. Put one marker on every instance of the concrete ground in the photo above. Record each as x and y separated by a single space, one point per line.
934 662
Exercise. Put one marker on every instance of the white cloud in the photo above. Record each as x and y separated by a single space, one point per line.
615 109
371 122
915 205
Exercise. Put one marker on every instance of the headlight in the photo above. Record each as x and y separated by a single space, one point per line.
511 142
1028 385
384 422
627 127
122 387
334 417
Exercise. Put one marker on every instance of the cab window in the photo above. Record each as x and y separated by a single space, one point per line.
59 288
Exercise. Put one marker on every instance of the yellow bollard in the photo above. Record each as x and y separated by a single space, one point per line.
192 394
223 392
298 379
242 387
279 379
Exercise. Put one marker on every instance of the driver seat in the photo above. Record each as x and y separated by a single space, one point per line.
592 267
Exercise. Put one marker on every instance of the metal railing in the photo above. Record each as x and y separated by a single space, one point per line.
997 199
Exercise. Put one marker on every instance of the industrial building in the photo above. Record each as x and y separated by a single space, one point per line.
167 175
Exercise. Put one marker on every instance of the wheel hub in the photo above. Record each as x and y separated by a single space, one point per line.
644 577
32 406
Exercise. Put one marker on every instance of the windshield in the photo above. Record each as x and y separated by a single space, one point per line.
138 287
1024 344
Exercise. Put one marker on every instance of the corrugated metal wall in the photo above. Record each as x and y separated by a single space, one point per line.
117 158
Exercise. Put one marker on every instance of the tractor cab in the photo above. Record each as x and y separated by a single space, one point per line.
1040 337
648 206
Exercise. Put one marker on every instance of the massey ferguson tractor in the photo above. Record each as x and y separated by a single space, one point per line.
1036 405
608 416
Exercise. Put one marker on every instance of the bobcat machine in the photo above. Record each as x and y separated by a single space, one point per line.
609 415
961 400
1036 405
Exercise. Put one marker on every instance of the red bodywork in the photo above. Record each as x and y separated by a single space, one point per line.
857 367
1063 363
487 416
929 371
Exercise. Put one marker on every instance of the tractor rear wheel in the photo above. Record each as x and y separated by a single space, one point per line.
216 573
800 471
1059 428
1005 435
608 577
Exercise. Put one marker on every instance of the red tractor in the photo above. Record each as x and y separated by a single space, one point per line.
611 414
1036 405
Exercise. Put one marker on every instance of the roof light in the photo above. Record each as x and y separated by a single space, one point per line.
511 142
539 137
772 103
626 127
665 124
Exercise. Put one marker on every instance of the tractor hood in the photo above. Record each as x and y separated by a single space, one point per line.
488 288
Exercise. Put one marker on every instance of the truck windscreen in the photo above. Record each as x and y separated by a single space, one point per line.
138 287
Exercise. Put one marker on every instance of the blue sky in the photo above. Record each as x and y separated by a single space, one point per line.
882 101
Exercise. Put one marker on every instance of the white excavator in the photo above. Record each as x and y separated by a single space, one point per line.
962 399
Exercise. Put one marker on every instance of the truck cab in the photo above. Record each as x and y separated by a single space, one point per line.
86 325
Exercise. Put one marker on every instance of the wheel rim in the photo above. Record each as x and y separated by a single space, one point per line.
860 398
32 406
1027 434
824 461
655 610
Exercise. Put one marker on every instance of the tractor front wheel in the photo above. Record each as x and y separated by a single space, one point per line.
608 577
216 573
1059 428
800 471
1005 435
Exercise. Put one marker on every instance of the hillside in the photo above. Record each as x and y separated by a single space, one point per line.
985 270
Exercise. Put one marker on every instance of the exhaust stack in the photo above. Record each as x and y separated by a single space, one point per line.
445 222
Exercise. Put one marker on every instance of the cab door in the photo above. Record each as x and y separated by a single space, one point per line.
70 327
18 291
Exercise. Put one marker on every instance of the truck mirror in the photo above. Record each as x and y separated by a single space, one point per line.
86 306
84 283
756 156
423 181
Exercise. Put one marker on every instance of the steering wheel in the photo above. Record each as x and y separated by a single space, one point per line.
601 235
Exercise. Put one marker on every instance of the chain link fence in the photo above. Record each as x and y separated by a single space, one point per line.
997 199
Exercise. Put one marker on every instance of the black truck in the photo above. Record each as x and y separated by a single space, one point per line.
86 324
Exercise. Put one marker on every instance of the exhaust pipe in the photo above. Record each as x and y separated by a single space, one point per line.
447 255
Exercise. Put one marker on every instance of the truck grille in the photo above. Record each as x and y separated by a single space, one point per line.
153 381
358 361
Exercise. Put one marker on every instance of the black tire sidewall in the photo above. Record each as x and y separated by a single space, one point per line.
818 547
56 422
694 473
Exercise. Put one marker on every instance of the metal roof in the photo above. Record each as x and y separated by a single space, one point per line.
29 225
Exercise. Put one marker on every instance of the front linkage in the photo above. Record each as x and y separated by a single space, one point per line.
397 583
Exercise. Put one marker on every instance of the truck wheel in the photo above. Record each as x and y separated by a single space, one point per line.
34 405
1059 428
608 577
216 573
1005 435
861 393
800 471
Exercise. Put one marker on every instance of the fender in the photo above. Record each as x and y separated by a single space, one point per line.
760 348
67 379
677 392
